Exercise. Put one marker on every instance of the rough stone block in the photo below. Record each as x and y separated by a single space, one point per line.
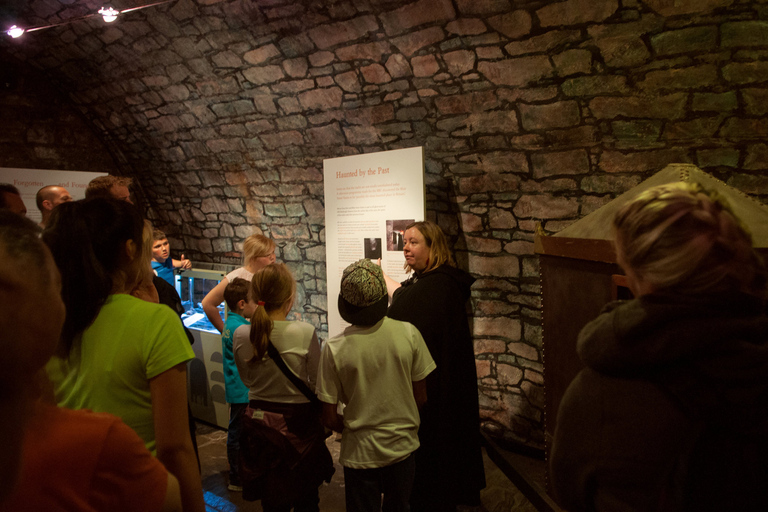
686 40
489 52
415 14
520 247
370 115
471 223
748 183
296 68
274 210
489 346
505 265
680 7
261 55
322 58
487 245
608 184
415 41
746 72
697 128
466 103
641 161
263 74
508 375
332 34
226 59
743 33
280 139
736 129
466 27
321 99
636 133
483 368
757 157
576 12
398 66
554 115
596 85
624 51
366 51
424 66
488 183
416 114
362 135
326 136
756 101
482 6
375 74
727 157
560 162
501 219
545 207
459 62
670 106
718 102
697 77
214 205
516 71
513 25
542 43
572 62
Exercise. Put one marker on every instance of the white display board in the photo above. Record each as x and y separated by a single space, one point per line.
369 199
29 181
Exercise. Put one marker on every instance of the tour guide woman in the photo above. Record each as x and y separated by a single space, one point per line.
449 465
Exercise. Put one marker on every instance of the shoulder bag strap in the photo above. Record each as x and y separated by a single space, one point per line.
295 380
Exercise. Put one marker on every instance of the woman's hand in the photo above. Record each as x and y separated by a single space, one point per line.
392 285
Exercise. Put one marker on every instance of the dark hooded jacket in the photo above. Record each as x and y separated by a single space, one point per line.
671 413
449 462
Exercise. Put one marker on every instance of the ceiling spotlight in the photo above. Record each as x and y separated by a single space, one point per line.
15 31
109 14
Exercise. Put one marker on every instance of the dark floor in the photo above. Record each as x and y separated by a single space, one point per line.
500 495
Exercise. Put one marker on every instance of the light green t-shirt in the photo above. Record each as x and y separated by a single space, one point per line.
130 342
371 370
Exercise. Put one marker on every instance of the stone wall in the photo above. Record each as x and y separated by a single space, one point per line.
42 129
530 112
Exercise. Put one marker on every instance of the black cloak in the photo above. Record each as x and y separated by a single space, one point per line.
449 464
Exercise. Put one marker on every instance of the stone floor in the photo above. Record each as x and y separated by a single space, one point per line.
498 496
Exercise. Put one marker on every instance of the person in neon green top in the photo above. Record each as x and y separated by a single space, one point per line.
117 353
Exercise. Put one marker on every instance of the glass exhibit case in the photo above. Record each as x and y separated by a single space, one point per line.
205 373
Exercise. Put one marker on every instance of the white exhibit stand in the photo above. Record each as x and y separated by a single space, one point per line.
29 181
369 199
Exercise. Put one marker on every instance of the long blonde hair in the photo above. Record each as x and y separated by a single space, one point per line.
683 237
272 288
434 237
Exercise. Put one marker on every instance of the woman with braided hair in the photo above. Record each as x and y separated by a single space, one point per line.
671 413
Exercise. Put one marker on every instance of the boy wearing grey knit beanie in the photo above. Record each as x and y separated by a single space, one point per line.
377 369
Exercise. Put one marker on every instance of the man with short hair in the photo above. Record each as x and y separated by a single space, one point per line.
48 198
115 187
10 199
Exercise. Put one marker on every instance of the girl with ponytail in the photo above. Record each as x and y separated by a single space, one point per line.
283 454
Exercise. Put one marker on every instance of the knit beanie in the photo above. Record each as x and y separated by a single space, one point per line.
363 298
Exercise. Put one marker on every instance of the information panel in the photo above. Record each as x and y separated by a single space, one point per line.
369 199
29 181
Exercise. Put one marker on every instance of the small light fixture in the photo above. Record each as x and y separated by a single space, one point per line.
15 32
109 14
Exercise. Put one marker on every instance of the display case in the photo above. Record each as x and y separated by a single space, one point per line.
205 373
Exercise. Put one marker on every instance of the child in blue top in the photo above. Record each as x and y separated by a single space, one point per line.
241 308
162 263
